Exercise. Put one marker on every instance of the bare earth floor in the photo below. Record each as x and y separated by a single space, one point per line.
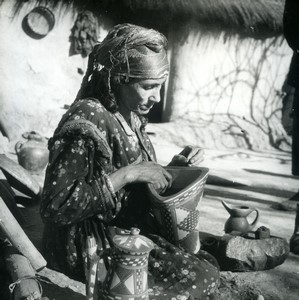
261 180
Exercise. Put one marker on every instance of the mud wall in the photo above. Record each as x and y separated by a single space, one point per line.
224 91
38 77
227 90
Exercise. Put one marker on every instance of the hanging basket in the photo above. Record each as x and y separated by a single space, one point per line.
38 23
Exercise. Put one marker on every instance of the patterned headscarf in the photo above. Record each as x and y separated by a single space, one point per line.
132 51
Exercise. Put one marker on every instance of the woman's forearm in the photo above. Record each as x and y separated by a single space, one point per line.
147 172
122 177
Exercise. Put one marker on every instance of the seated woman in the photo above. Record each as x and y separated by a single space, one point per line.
101 157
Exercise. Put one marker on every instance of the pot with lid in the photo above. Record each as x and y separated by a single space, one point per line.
127 275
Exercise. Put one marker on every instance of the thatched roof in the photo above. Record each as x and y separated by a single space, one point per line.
249 14
249 17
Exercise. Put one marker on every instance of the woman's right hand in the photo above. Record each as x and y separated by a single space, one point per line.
150 172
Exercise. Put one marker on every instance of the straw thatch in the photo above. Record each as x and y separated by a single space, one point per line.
250 14
250 17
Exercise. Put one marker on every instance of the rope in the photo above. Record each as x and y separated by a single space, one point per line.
127 61
13 285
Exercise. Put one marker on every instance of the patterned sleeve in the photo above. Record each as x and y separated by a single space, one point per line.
72 192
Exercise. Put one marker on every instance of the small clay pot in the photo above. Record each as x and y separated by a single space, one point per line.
238 218
33 154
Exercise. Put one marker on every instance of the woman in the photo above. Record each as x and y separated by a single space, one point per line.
101 157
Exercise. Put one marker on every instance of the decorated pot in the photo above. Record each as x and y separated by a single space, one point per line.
33 153
177 210
127 275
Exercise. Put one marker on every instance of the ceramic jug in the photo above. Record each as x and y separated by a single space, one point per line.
32 153
126 278
238 218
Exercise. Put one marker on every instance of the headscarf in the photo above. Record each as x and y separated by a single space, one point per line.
128 51
132 51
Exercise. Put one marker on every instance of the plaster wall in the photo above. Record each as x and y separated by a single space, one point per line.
38 77
227 91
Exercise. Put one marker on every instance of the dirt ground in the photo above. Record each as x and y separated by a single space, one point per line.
261 180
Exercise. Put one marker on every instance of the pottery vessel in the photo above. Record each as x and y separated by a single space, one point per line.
238 218
127 275
177 210
38 22
33 153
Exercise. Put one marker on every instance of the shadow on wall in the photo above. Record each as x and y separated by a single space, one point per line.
239 106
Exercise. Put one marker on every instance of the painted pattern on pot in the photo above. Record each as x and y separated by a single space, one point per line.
127 276
177 209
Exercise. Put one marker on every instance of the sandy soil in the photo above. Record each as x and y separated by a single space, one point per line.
261 180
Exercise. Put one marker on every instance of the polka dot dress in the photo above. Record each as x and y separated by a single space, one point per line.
176 274
89 143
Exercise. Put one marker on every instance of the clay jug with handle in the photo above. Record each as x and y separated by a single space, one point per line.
238 218
32 152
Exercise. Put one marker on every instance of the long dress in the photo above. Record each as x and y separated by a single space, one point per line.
89 144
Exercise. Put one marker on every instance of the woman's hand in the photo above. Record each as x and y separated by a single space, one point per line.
190 156
150 172
195 155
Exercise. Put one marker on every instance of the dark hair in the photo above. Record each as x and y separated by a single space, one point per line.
101 87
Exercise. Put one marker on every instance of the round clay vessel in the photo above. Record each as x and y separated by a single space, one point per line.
33 153
238 218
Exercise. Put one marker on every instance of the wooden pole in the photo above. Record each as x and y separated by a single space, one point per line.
24 285
18 238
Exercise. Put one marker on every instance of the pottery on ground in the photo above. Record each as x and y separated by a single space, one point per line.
33 153
237 220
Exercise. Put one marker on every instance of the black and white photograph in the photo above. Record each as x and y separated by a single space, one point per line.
149 150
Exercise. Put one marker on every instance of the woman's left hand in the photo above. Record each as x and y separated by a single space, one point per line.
190 156
194 155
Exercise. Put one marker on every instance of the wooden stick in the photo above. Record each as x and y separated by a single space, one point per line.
18 238
24 285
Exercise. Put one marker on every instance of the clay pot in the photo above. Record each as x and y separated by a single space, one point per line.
38 22
127 275
238 218
177 209
33 154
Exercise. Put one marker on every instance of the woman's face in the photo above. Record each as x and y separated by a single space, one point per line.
139 96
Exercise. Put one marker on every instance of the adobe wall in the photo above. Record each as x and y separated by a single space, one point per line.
38 77
227 90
